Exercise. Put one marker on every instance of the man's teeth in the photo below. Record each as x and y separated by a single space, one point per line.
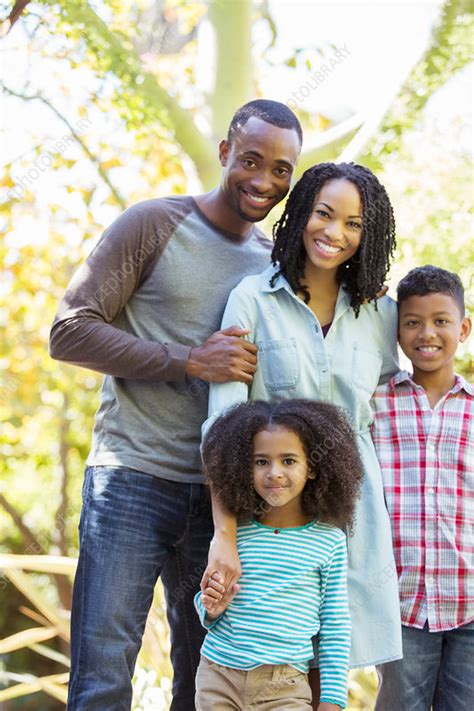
327 248
255 198
429 349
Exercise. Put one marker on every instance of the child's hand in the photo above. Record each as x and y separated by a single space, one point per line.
213 600
329 707
223 564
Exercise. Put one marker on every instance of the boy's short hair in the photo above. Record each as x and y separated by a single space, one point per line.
270 111
431 280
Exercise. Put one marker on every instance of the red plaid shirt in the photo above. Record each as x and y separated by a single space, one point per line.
427 462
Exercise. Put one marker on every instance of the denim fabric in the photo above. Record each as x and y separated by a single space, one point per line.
344 368
436 672
135 527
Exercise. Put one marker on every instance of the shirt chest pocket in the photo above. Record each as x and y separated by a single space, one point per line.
279 363
366 367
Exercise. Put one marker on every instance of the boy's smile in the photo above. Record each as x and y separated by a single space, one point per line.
430 329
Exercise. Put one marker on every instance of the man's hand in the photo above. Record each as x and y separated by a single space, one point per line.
224 357
223 567
212 598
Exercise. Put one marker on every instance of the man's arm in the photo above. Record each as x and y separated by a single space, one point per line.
83 332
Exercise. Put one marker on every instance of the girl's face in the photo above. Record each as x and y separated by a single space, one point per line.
334 230
280 467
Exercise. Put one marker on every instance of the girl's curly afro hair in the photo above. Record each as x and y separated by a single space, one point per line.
328 441
364 274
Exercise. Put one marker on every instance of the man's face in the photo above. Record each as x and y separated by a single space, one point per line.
258 166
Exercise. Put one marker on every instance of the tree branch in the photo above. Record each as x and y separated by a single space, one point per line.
368 129
122 61
233 61
102 172
32 543
29 537
15 14
328 144
62 509
448 52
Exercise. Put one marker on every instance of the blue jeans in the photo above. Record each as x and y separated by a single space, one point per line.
134 528
437 670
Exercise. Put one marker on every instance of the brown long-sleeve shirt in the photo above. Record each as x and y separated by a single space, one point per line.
154 286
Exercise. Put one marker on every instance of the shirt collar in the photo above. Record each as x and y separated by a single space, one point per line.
282 283
460 383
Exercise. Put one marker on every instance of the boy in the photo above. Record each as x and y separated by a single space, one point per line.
423 434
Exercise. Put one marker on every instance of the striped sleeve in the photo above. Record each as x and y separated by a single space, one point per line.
201 610
335 630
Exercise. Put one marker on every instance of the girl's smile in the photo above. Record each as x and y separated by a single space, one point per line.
280 473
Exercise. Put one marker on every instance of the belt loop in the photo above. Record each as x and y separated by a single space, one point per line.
276 672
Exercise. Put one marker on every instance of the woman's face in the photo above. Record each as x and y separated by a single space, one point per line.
334 230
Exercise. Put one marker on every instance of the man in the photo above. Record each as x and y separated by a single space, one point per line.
145 310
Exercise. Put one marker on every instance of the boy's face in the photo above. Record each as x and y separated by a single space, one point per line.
258 166
430 329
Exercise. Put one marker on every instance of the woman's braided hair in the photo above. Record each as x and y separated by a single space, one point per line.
364 274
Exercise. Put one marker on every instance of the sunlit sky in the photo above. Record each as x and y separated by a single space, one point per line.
383 39
380 40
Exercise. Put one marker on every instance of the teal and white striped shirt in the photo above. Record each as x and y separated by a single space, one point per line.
293 586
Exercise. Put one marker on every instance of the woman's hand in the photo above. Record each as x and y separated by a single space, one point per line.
223 568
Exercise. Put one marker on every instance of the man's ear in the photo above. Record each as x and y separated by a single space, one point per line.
466 326
224 149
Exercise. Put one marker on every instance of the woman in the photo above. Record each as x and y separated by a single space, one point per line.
322 333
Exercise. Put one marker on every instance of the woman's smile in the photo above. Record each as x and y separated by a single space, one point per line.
334 230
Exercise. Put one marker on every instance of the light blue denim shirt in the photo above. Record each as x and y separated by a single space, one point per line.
295 360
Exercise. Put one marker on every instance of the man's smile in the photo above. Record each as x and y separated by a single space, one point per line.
260 200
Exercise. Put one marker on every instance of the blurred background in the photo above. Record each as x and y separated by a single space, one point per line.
110 102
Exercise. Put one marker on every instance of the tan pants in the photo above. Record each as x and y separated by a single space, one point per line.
266 688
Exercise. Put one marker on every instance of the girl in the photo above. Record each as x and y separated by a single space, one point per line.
272 465
323 334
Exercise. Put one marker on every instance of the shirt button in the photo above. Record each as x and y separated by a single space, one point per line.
431 447
431 491
316 328
324 370
430 581
424 408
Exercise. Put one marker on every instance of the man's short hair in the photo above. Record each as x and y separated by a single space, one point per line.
270 111
431 280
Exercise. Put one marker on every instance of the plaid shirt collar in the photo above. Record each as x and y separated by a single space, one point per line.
404 377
